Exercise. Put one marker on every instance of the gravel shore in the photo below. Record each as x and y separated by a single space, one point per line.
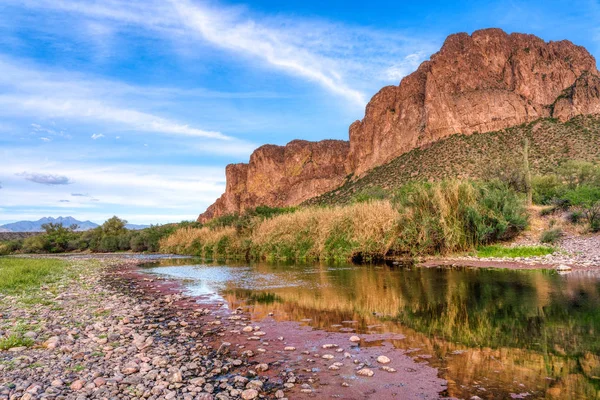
115 333
576 251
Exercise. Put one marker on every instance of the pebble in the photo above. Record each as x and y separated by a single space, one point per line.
249 394
365 372
354 339
383 360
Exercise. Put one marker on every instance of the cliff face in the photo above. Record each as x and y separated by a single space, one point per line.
486 81
280 176
482 82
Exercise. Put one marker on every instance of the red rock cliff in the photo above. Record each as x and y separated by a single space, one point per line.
482 82
486 81
280 176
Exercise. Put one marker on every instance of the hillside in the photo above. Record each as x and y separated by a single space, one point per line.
486 81
481 155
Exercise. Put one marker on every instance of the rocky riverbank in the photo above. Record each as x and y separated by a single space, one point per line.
112 332
579 252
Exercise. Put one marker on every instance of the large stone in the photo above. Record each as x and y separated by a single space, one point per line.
249 394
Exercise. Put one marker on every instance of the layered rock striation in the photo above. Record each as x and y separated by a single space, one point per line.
486 81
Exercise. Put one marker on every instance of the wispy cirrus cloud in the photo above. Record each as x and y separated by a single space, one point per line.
96 136
46 179
349 61
133 191
32 91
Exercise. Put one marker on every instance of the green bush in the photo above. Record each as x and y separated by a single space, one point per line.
546 188
575 217
586 199
10 247
551 236
576 173
457 216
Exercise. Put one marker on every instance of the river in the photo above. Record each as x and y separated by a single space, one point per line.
491 333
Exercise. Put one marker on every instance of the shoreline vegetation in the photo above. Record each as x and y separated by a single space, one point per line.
418 219
421 219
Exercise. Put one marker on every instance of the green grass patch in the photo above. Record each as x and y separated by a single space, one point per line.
18 275
15 340
497 251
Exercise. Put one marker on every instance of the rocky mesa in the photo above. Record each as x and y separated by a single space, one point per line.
280 176
485 81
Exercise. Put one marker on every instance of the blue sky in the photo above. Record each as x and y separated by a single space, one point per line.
134 107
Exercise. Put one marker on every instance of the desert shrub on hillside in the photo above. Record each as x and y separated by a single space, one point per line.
551 236
586 199
370 194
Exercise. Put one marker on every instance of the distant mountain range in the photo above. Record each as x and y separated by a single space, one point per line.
36 226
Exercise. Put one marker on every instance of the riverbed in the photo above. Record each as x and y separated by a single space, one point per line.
491 333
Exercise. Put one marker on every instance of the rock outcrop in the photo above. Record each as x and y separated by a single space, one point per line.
280 176
486 81
482 82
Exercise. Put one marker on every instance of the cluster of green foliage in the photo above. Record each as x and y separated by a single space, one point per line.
437 218
575 186
498 251
15 340
111 236
551 236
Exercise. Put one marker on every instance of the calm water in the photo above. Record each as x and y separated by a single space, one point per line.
492 333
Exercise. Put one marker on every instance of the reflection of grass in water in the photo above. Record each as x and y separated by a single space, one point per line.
255 298
536 322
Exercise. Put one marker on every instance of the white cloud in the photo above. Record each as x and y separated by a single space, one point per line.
409 64
131 190
348 61
227 30
45 179
97 136
35 92
45 139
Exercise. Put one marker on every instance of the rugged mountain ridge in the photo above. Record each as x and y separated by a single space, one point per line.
486 81
483 82
36 226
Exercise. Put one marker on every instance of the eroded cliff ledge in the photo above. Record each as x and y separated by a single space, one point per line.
486 81
280 176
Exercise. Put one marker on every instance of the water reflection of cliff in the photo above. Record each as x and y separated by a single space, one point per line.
491 332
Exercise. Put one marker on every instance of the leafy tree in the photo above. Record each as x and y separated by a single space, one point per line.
587 200
57 237
114 226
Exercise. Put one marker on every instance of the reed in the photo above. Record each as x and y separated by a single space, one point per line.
421 218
